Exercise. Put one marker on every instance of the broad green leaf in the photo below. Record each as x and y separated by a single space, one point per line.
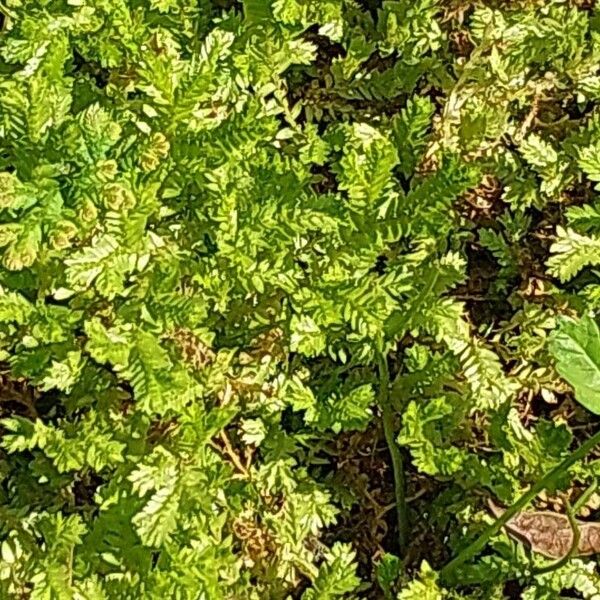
576 348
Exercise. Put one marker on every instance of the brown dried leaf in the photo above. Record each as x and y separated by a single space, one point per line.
550 533
589 543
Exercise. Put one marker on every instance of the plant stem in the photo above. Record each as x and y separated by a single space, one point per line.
397 466
479 544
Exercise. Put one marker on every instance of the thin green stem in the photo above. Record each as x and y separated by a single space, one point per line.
547 480
585 496
397 465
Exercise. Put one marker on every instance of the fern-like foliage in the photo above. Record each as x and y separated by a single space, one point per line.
216 218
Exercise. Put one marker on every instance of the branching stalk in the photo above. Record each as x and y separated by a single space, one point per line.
546 481
397 465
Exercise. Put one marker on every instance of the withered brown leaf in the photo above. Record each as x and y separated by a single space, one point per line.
549 533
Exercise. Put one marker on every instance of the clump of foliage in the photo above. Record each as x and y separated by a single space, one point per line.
289 289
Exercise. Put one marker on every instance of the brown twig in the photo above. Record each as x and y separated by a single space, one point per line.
232 455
